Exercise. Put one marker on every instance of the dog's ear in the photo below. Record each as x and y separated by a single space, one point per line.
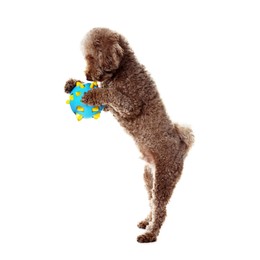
118 53
112 57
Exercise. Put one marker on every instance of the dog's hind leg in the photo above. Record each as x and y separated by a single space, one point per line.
148 179
164 183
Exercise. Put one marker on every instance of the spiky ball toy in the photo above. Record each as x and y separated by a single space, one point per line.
80 109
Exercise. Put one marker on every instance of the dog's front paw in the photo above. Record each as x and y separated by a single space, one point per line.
70 85
90 98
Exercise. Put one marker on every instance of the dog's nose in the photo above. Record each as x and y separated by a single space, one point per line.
88 77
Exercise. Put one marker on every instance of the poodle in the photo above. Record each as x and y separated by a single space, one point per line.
130 94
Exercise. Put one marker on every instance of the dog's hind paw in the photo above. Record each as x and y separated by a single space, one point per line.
143 224
146 238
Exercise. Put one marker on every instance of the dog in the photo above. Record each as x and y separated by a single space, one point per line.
130 94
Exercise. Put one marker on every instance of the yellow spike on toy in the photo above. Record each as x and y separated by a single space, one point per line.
71 97
68 101
96 116
93 84
95 109
78 93
79 84
81 109
79 117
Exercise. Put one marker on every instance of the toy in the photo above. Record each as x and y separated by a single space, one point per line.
80 109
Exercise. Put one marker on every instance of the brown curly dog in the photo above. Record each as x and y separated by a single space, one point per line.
129 92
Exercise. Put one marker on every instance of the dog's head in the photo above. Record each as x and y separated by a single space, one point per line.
103 54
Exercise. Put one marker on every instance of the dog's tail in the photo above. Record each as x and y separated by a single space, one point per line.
186 135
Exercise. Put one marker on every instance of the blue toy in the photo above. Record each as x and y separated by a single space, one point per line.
80 109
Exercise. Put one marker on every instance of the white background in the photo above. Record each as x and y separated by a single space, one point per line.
74 190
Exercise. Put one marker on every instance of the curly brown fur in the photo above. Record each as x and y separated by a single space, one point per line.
132 97
70 85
